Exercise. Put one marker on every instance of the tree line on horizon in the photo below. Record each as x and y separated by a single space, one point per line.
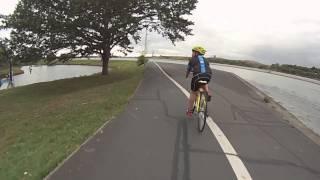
313 72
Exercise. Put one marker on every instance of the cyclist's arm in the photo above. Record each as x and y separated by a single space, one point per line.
189 68
208 65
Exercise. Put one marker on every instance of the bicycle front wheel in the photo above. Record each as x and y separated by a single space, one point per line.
202 114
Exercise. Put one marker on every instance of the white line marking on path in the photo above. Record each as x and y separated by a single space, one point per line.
237 165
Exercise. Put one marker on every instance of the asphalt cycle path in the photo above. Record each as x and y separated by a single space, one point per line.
268 145
153 139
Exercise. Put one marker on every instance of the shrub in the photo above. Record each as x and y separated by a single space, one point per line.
142 60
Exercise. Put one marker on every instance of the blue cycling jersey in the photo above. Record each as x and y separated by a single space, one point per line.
202 64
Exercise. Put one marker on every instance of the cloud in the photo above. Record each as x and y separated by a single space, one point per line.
270 31
301 48
306 55
7 6
267 31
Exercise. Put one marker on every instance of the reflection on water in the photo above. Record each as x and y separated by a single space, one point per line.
301 98
37 74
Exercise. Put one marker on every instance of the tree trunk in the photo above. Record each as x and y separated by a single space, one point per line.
105 63
10 71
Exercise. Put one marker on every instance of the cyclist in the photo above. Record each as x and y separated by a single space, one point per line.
201 71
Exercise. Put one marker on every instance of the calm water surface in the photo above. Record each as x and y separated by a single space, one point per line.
50 73
301 98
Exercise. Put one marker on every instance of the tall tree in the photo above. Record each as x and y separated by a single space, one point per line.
2 54
46 28
5 52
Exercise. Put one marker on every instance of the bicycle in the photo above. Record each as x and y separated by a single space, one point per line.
200 106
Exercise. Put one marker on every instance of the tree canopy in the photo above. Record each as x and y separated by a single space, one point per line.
5 52
61 29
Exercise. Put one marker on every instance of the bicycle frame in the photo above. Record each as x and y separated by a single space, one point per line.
198 99
201 108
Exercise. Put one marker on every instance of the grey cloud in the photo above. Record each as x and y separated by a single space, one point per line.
205 37
307 55
300 46
303 50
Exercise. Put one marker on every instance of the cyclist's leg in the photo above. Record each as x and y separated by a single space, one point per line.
206 88
207 77
192 98
193 95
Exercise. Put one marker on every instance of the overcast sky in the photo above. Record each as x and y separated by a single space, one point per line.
269 31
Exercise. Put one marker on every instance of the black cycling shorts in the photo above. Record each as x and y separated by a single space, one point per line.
203 77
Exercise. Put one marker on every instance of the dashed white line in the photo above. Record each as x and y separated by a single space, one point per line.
236 163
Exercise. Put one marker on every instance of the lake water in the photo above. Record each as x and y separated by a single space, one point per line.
299 97
50 73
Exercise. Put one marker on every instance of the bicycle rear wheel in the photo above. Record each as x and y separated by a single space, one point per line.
202 114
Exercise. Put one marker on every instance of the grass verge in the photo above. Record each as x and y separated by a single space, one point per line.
4 71
41 124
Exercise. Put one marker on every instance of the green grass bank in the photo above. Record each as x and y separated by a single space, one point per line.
41 124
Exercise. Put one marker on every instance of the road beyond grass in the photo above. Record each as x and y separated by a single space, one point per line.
41 124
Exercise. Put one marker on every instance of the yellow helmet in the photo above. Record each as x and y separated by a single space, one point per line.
199 49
